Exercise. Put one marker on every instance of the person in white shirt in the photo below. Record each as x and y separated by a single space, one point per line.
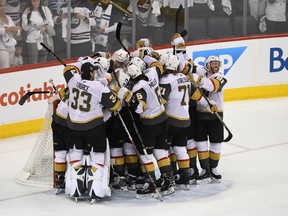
8 31
36 21
276 16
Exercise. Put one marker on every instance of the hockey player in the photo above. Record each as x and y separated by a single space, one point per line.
85 118
208 126
153 128
176 91
60 133
196 75
115 131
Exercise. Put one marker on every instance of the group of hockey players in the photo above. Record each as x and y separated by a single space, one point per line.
121 115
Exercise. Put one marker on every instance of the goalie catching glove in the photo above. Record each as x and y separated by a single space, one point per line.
124 93
178 42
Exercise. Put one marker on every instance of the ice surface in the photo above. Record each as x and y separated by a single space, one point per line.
254 166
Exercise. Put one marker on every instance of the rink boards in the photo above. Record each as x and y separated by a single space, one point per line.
254 67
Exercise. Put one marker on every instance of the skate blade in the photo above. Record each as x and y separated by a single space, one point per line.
192 182
123 188
147 196
59 191
171 190
131 187
204 181
216 181
183 187
94 200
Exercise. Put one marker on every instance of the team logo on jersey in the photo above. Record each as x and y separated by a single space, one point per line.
228 56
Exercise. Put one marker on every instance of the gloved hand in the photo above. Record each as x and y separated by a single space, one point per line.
125 94
178 42
212 107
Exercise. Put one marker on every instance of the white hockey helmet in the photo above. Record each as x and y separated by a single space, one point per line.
211 59
101 65
120 56
133 70
171 62
139 62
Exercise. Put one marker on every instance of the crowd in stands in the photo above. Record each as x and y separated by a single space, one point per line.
25 24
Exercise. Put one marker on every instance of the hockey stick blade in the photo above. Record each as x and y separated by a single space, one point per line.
28 94
118 32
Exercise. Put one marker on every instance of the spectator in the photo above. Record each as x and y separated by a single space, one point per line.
14 11
221 7
8 31
18 59
275 13
257 8
82 19
107 17
36 21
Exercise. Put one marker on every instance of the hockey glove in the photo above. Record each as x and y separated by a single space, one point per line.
125 94
178 42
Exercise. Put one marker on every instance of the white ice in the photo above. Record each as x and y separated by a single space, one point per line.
254 166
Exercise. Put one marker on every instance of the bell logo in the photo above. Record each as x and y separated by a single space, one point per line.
277 62
228 56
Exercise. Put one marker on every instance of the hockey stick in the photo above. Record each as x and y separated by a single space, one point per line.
118 31
180 8
139 156
126 11
53 54
230 135
25 97
118 37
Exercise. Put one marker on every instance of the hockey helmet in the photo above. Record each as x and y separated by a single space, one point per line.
133 70
139 62
120 56
211 59
171 62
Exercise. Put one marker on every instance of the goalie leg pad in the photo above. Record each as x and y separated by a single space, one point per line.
96 179
75 180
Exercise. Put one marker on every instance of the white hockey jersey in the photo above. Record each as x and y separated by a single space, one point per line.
147 94
175 89
80 30
86 101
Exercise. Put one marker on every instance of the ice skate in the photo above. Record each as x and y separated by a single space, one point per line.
193 175
118 183
148 191
59 182
204 177
167 185
216 177
183 179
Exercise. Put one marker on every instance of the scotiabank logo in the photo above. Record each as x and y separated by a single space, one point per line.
12 98
277 61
